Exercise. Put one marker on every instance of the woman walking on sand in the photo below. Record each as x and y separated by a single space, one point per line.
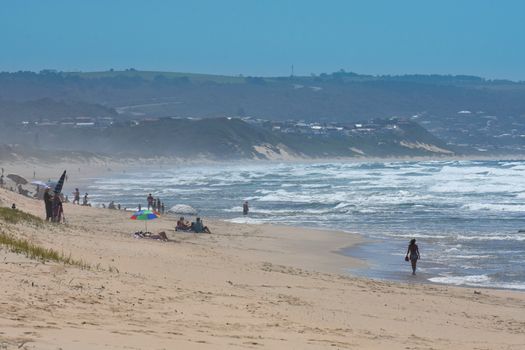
413 252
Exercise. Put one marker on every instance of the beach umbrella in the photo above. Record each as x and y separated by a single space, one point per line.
60 183
144 215
40 183
183 209
19 180
51 184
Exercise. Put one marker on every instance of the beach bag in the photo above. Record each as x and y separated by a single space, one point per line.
406 258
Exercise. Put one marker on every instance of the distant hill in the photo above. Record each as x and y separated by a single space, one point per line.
338 96
47 108
439 103
226 139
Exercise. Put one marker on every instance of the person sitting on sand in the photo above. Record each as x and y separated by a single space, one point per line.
413 251
111 205
198 226
182 225
85 200
22 191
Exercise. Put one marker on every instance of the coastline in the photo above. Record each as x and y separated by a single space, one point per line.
245 286
360 266
103 164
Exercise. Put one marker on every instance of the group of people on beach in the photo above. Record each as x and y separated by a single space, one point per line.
197 226
112 205
155 204
55 213
76 198
54 208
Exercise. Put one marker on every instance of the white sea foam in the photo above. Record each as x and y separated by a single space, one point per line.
460 280
452 250
477 281
473 256
510 207
514 237
416 235
246 220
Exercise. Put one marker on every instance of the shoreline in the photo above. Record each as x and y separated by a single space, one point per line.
109 169
100 164
244 286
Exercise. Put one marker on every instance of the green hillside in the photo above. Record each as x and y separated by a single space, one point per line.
152 75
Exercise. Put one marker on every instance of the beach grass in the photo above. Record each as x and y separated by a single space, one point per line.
37 252
15 216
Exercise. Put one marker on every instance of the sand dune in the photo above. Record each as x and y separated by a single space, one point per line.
244 286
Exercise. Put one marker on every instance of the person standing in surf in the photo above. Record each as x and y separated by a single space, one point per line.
413 254
150 201
245 208
77 196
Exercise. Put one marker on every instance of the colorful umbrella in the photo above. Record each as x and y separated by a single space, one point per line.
144 215
60 183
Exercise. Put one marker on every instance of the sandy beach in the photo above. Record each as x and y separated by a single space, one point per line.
243 286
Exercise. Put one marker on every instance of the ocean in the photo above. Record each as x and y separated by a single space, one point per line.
465 215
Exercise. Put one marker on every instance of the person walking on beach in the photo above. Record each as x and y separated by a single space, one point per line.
245 208
76 196
412 254
49 205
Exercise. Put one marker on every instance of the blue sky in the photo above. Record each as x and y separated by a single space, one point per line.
265 37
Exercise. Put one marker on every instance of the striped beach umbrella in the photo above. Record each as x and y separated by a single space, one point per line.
60 183
145 215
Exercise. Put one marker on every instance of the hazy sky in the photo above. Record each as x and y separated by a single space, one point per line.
265 37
